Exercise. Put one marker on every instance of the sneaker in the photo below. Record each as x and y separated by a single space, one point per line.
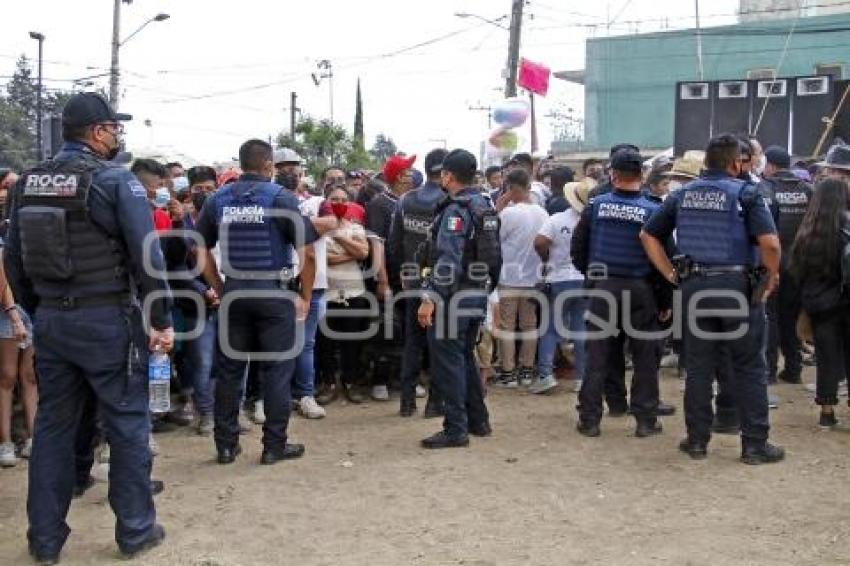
310 409
245 424
526 377
544 385
671 360
206 425
26 451
506 380
259 412
154 447
7 455
380 393
184 415
421 392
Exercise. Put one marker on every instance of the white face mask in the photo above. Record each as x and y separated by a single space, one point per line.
675 186
759 167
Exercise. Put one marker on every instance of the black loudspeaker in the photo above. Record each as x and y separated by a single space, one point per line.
732 107
772 111
693 116
51 136
842 120
813 99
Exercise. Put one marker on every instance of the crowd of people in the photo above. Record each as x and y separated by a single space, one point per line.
289 293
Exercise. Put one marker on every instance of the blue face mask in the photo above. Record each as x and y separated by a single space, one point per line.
162 198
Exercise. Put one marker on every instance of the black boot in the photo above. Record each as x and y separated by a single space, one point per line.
433 408
765 453
647 428
408 407
695 449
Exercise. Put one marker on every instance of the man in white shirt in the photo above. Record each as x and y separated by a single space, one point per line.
521 223
561 276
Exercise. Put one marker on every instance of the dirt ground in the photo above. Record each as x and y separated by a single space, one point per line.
534 493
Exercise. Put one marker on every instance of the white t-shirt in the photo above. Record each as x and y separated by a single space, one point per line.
540 193
559 228
310 208
520 263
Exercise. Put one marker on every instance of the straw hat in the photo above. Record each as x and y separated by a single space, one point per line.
685 167
578 193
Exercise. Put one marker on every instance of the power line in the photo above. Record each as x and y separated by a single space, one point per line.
298 76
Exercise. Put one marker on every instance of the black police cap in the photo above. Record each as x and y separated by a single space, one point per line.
461 163
434 160
89 108
627 160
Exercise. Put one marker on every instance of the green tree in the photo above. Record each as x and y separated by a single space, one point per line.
383 149
358 116
18 111
321 144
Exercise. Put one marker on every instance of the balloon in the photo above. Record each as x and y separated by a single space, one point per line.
503 140
511 112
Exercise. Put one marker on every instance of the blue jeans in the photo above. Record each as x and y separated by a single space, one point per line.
572 316
199 355
304 383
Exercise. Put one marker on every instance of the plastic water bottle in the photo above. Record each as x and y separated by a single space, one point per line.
159 381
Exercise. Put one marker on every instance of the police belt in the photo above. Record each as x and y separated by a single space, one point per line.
714 271
71 303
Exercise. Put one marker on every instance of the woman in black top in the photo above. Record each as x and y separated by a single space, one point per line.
816 264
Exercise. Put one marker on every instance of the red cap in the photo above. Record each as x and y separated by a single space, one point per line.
395 165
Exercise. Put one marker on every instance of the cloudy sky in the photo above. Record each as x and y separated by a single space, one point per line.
220 71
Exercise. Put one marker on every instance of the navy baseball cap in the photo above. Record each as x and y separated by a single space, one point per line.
778 156
434 160
627 160
89 108
461 163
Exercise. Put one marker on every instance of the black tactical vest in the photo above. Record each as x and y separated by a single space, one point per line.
60 245
792 198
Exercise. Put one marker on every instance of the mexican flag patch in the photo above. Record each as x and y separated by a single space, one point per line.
454 224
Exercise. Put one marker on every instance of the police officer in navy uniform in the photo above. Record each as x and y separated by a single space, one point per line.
606 247
465 261
720 221
792 196
406 247
258 223
77 239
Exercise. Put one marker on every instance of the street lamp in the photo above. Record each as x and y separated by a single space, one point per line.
116 45
464 15
40 38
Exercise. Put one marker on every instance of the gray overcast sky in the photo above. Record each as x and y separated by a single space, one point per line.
220 71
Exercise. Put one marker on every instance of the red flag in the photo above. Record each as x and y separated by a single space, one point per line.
534 77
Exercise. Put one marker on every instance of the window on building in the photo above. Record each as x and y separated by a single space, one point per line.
772 89
761 74
694 91
835 70
732 89
812 86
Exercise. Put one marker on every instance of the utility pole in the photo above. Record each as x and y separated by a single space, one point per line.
700 68
116 44
292 110
326 72
513 48
40 89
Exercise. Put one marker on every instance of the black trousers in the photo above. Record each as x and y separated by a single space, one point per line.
349 365
748 379
831 331
635 306
783 309
265 327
